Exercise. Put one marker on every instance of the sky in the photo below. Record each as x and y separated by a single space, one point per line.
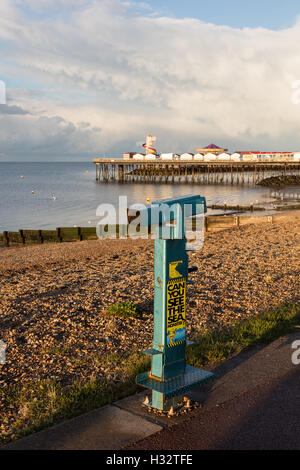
272 14
88 78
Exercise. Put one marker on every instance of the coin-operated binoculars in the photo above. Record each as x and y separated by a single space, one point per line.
170 377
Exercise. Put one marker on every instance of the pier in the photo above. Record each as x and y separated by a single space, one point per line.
214 172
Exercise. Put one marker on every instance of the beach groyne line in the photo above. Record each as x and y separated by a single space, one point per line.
218 223
228 207
71 234
59 235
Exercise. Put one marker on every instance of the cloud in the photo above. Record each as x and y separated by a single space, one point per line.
16 110
129 72
52 136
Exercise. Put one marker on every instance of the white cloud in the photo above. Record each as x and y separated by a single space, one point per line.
129 72
52 136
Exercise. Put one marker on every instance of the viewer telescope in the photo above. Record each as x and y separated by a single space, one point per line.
170 377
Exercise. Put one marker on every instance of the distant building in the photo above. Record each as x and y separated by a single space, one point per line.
212 148
138 156
198 156
167 156
267 156
236 157
186 156
128 155
210 157
224 156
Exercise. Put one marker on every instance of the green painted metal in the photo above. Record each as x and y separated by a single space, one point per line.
170 376
178 385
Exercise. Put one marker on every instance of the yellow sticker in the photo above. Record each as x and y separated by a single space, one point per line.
176 295
173 273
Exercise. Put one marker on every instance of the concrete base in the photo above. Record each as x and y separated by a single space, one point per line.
109 428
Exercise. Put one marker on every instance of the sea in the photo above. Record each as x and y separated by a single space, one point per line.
47 195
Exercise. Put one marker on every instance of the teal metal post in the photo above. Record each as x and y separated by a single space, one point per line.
170 377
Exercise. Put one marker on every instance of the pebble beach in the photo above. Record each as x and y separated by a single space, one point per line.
54 298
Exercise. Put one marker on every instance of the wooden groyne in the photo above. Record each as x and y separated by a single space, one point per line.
158 171
59 235
238 208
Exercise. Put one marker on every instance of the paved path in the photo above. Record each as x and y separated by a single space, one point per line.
253 403
266 417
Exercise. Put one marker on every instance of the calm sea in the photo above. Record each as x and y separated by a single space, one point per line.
66 194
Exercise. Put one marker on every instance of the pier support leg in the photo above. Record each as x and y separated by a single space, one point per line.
120 173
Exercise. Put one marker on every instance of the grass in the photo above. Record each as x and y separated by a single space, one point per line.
219 345
124 309
43 403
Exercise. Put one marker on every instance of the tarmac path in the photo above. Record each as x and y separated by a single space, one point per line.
264 418
253 403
